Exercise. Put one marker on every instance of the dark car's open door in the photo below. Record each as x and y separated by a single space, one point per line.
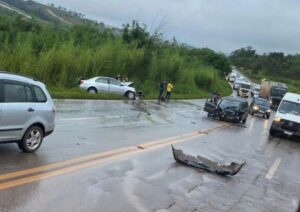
209 107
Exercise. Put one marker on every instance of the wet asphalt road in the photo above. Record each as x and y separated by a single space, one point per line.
149 179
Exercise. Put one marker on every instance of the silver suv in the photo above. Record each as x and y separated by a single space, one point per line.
27 112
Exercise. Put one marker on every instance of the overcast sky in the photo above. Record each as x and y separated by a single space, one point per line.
222 25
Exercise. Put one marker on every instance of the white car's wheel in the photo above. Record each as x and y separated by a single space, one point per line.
92 90
130 95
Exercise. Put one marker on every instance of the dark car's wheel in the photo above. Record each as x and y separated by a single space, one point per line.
92 90
32 139
130 95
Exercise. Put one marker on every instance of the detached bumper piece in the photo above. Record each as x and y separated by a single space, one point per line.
206 164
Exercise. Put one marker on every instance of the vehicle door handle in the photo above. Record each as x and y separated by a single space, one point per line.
30 110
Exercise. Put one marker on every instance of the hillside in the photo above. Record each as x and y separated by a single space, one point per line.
58 47
48 14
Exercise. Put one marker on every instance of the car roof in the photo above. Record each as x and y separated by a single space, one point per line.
18 77
293 97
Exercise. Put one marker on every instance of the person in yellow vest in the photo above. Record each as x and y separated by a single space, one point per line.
170 87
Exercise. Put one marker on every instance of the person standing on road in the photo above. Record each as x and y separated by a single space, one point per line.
170 87
162 87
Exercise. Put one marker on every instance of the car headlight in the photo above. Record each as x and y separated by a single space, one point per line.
277 119
270 101
269 111
255 107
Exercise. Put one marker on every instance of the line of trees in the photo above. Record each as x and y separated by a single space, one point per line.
271 64
58 56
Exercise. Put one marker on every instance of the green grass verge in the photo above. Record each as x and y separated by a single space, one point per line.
76 93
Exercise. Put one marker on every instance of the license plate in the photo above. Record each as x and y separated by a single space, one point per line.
287 132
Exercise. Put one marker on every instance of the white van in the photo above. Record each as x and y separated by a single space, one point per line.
287 118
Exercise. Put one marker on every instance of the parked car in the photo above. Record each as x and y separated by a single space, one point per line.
260 106
234 109
108 85
27 112
287 117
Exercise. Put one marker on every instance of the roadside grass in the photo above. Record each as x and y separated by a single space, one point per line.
77 93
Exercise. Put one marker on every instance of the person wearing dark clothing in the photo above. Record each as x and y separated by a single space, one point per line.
162 88
215 97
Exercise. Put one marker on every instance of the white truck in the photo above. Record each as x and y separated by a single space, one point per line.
245 89
287 118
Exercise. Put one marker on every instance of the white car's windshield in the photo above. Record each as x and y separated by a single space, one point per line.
289 107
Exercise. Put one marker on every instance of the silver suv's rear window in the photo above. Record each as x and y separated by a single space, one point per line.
40 95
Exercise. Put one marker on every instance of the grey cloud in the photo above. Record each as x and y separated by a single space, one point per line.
223 25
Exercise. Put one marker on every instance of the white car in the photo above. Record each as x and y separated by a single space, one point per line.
255 91
108 85
232 76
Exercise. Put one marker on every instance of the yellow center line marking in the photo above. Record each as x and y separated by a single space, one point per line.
76 164
64 163
273 169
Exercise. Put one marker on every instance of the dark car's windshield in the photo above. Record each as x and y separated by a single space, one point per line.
289 107
229 103
262 102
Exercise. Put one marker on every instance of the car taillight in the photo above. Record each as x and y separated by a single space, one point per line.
81 81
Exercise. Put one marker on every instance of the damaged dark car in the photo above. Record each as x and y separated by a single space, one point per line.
232 109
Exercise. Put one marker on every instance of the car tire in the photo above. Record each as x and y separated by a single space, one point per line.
32 139
130 95
92 90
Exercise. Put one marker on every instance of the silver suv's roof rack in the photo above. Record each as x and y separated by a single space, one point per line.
17 74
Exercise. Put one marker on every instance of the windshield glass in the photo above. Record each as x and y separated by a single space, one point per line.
278 92
246 86
257 89
262 102
229 103
290 107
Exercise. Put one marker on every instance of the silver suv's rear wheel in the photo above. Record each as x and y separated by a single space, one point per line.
32 139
